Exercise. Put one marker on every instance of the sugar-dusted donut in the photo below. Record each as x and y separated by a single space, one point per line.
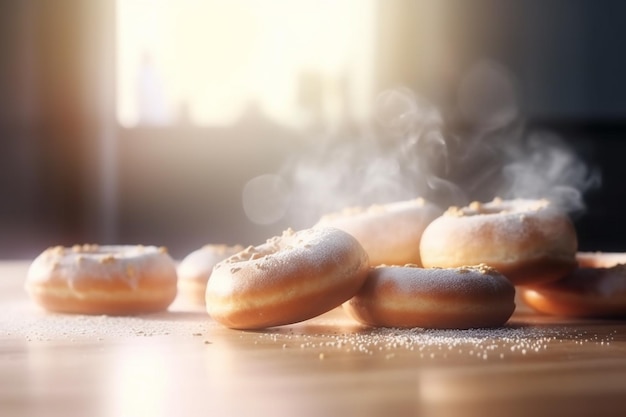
288 279
528 241
597 289
409 296
195 270
600 259
389 233
112 280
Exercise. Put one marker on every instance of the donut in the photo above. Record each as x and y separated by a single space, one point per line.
600 259
195 269
409 296
288 279
597 289
108 280
389 233
528 241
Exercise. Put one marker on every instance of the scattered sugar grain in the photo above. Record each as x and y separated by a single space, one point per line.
482 344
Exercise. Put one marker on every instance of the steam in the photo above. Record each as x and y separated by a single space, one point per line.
265 199
546 167
412 153
354 172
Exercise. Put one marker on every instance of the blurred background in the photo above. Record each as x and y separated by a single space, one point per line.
192 122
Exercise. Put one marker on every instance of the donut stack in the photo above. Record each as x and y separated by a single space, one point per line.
534 245
367 259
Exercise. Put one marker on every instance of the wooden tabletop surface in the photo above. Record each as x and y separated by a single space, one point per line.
180 363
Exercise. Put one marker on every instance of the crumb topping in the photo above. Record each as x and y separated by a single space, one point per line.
481 268
107 259
497 206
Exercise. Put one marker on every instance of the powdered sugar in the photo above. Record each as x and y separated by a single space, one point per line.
471 279
23 320
480 344
510 217
513 232
93 262
312 247
320 267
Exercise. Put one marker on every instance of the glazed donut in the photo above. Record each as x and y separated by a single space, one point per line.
528 241
597 289
390 233
111 280
195 270
288 279
408 296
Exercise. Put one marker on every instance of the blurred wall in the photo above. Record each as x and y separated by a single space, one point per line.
182 186
566 54
50 53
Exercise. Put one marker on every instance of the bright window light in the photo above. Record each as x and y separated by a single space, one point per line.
211 62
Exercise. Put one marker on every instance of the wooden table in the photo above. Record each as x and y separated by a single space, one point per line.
180 363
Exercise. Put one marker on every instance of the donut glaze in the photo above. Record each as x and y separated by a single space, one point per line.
288 279
195 270
390 233
408 296
528 241
597 289
112 280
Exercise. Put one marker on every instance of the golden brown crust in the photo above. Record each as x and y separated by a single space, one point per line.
462 298
532 271
528 241
194 271
113 280
390 233
114 304
291 278
587 292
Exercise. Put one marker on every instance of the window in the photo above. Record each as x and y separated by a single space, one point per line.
210 62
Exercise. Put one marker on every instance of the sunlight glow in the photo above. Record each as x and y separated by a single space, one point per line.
142 383
208 62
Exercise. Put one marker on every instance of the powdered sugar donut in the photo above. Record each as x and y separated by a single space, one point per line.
436 298
528 241
195 270
92 279
288 279
600 259
597 289
390 233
